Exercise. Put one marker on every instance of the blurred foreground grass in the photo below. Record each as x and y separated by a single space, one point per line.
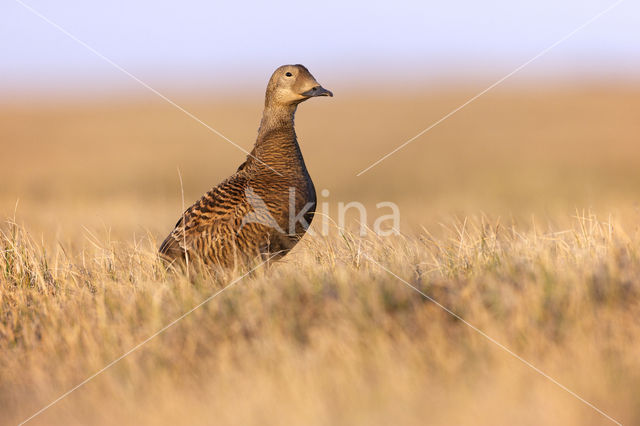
328 336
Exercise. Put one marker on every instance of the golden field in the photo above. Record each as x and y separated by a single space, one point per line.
519 214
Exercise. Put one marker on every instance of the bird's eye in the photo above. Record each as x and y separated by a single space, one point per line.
288 74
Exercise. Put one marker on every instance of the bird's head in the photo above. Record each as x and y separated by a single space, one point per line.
292 84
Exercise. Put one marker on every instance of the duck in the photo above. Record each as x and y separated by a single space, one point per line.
261 211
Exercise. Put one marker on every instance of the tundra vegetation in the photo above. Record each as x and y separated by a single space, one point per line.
519 214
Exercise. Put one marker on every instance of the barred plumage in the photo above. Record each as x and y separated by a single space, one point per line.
248 215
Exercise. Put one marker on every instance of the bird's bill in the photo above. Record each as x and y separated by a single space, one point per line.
318 91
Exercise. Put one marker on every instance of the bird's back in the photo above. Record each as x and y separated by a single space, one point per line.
247 216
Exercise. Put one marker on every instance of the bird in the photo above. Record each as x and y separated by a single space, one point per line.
261 211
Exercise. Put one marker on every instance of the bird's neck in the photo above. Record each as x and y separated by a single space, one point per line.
277 117
277 146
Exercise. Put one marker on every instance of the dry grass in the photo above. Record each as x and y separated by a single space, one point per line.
547 263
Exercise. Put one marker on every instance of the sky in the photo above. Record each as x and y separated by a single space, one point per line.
200 43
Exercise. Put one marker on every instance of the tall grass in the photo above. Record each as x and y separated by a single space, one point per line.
327 336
